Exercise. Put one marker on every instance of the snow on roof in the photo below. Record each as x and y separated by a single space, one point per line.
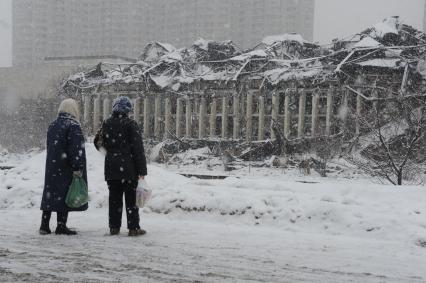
367 42
388 25
269 40
155 50
251 54
202 43
285 74
167 46
385 63
162 80
173 56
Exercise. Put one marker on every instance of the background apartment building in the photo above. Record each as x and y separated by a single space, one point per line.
55 28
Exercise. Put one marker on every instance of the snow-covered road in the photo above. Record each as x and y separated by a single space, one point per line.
201 249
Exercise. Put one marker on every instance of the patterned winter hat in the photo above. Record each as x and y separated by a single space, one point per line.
122 105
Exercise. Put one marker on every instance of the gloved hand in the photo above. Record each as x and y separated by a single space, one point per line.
78 174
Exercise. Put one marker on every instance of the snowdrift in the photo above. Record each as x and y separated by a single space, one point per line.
345 206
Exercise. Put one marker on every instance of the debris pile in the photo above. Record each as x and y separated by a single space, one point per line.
388 54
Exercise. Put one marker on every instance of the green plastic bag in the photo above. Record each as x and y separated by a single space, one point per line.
77 195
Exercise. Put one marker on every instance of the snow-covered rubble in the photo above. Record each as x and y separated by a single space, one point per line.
289 200
162 67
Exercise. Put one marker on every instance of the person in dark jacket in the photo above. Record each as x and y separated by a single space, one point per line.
125 163
65 158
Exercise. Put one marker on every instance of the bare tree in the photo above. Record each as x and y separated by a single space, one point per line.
392 148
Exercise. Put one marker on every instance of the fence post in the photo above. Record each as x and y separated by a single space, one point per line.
188 118
301 120
236 114
213 115
315 104
146 117
167 118
136 110
329 115
96 113
274 114
261 128
179 112
202 119
287 114
249 116
225 113
157 117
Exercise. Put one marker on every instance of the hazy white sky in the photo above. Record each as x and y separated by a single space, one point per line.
340 18
333 18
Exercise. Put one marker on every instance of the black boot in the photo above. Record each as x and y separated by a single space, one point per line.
136 232
114 231
45 220
62 228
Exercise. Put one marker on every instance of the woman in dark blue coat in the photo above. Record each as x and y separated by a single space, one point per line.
66 157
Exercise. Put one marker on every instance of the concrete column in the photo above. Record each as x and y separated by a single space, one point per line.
344 109
106 108
188 121
261 128
249 117
96 113
315 110
274 112
202 119
146 117
213 115
287 114
137 110
87 110
329 114
225 113
157 117
167 118
179 113
375 102
359 104
359 108
301 120
236 114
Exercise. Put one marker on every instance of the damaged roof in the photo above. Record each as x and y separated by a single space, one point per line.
386 46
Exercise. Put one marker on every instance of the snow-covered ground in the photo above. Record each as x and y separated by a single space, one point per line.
268 226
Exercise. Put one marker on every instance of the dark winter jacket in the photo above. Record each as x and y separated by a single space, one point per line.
65 154
125 154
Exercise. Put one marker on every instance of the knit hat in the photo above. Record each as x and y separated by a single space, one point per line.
122 105
70 106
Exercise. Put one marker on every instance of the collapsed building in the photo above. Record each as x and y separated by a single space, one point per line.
284 88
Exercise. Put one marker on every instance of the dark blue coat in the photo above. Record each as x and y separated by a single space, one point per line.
65 154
